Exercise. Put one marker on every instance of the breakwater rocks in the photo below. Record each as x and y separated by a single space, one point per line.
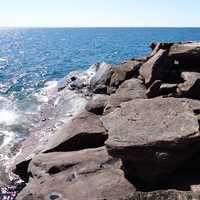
133 133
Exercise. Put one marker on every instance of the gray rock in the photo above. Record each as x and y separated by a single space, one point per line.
155 135
156 68
102 76
86 175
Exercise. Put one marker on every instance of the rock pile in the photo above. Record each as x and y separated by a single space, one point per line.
137 139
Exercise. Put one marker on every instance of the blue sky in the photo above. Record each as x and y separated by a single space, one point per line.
103 13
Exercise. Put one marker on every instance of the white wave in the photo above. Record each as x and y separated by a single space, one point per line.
8 117
50 91
9 136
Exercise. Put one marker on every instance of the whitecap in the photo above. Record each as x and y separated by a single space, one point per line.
8 117
9 136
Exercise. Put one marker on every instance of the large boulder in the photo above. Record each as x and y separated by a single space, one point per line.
154 136
191 86
102 78
83 131
86 175
185 51
128 90
125 71
156 68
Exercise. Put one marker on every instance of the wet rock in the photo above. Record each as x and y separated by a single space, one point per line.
101 78
83 131
97 105
10 191
154 136
91 172
129 90
154 89
156 68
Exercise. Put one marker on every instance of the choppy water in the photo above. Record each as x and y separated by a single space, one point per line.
31 57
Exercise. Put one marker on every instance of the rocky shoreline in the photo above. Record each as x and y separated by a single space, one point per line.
132 132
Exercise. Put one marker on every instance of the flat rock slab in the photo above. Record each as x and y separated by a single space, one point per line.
86 175
190 50
156 135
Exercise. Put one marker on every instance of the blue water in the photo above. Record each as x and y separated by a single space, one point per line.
29 57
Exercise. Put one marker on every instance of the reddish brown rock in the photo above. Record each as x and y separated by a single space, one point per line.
155 136
156 68
85 175
129 90
125 71
191 86
97 105
84 131
185 51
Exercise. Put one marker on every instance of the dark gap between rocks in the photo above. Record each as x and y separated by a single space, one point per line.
55 170
80 142
183 178
22 170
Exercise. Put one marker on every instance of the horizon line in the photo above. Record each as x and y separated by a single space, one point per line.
76 27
